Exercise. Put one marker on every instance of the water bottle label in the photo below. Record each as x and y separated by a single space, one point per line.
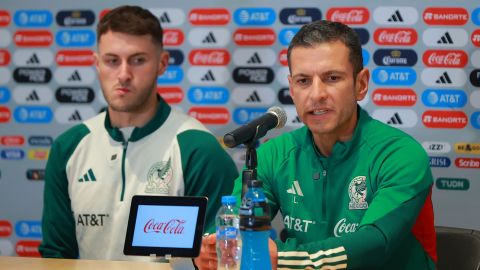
227 232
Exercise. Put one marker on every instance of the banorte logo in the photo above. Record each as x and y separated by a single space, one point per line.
4 57
173 226
282 57
5 18
395 36
75 58
349 15
445 58
476 38
254 37
12 140
445 119
209 16
445 16
210 115
27 248
5 114
209 57
172 95
5 228
173 37
394 97
467 163
33 38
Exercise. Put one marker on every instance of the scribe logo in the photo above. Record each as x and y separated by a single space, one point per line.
348 15
33 38
445 16
210 115
254 37
476 37
73 18
445 119
12 140
254 16
467 163
28 248
75 58
173 37
4 57
5 114
395 36
444 98
209 16
5 228
445 58
4 17
209 57
452 184
467 148
172 95
394 97
440 162
387 57
300 15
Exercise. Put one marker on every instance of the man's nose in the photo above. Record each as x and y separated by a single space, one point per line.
319 90
124 73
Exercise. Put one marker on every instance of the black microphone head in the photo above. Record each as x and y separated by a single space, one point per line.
280 114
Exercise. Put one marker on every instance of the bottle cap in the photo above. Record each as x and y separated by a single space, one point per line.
229 200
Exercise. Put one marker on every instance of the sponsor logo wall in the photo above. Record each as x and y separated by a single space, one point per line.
228 65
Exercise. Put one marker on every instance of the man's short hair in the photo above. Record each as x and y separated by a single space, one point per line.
323 31
132 20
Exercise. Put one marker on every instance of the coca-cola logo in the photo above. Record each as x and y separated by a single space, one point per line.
445 58
342 227
395 36
173 226
349 15
173 37
209 57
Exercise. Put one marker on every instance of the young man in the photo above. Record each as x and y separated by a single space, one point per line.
354 193
138 146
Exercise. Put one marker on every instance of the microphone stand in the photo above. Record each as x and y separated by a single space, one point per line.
250 172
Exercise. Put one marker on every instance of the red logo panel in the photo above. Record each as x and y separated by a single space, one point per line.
5 114
394 97
445 16
476 38
445 119
15 140
254 37
27 248
171 95
282 57
4 18
348 15
395 36
33 38
75 58
209 16
445 58
173 37
4 57
209 57
210 115
5 228
467 163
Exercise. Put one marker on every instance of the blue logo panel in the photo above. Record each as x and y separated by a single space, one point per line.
12 154
299 15
444 98
440 162
33 114
395 57
75 38
476 16
394 76
363 35
242 116
28 229
286 35
173 74
366 57
4 95
475 120
33 18
208 95
254 16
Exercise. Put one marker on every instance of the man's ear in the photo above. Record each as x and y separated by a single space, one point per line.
163 63
361 84
96 58
290 86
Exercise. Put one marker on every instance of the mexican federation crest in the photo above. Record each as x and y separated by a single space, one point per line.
357 191
159 177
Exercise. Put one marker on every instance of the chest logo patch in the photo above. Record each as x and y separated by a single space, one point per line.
357 191
159 177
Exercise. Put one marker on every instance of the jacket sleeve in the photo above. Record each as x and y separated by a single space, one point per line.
58 224
208 170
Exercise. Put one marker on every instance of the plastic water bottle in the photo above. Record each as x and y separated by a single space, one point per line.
255 228
228 235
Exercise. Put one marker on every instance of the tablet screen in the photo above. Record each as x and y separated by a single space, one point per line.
165 225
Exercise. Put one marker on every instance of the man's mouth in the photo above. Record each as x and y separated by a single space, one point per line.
319 112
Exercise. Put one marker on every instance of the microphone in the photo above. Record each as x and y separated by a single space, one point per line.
274 118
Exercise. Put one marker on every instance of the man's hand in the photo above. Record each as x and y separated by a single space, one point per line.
207 260
272 247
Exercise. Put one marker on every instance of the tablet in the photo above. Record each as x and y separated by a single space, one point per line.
165 226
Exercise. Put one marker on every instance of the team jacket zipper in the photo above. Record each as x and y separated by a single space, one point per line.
124 156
